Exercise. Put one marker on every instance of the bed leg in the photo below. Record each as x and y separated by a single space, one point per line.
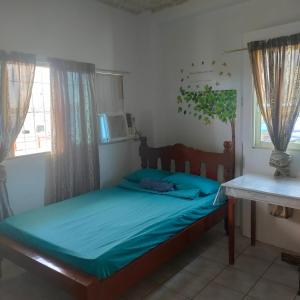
231 225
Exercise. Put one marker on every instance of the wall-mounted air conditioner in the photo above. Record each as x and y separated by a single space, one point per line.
113 127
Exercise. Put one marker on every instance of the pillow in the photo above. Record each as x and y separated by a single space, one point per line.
206 186
156 185
154 174
189 194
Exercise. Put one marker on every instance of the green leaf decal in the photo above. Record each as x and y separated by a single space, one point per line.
208 104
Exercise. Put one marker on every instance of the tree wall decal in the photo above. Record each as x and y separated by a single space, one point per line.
208 104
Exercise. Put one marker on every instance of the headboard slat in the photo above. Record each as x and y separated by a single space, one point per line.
153 162
212 170
195 167
165 161
179 165
181 154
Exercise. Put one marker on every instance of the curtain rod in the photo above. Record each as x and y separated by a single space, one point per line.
111 72
44 60
235 50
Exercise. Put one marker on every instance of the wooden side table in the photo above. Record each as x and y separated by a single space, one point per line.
282 191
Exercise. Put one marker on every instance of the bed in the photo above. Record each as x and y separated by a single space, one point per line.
70 243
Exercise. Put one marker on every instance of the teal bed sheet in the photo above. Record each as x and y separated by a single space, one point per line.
103 231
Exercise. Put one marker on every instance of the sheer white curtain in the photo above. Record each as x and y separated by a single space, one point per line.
16 80
74 163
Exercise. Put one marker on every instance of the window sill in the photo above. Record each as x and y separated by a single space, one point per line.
120 140
269 146
46 153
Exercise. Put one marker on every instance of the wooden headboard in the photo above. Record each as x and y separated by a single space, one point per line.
181 155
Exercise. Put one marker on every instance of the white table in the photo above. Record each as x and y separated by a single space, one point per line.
267 189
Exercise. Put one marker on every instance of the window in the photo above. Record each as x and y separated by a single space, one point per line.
35 135
114 124
261 135
109 93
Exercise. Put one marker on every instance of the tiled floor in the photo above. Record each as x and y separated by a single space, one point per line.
200 273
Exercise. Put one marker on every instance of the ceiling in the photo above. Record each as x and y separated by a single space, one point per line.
140 6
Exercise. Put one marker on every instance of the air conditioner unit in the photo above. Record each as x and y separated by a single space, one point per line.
113 127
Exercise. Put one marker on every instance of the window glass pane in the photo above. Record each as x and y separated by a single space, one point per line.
264 134
265 137
35 135
296 133
104 131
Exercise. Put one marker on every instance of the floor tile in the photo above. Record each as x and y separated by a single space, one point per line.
164 293
250 264
282 263
141 290
284 275
241 243
216 253
6 295
10 270
237 280
28 287
207 241
219 227
165 272
187 256
186 284
205 267
191 253
270 290
263 251
62 296
215 291
212 236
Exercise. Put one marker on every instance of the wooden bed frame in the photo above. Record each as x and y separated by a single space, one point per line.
87 287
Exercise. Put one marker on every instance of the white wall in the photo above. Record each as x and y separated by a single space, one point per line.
26 182
118 160
198 32
82 30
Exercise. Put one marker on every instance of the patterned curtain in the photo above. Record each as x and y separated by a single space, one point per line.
16 81
74 162
276 73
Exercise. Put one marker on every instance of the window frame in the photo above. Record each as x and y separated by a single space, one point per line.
12 155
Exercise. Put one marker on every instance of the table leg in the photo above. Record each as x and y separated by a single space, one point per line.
1 260
226 225
253 223
299 281
230 226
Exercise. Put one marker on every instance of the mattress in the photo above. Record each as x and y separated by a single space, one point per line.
103 231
